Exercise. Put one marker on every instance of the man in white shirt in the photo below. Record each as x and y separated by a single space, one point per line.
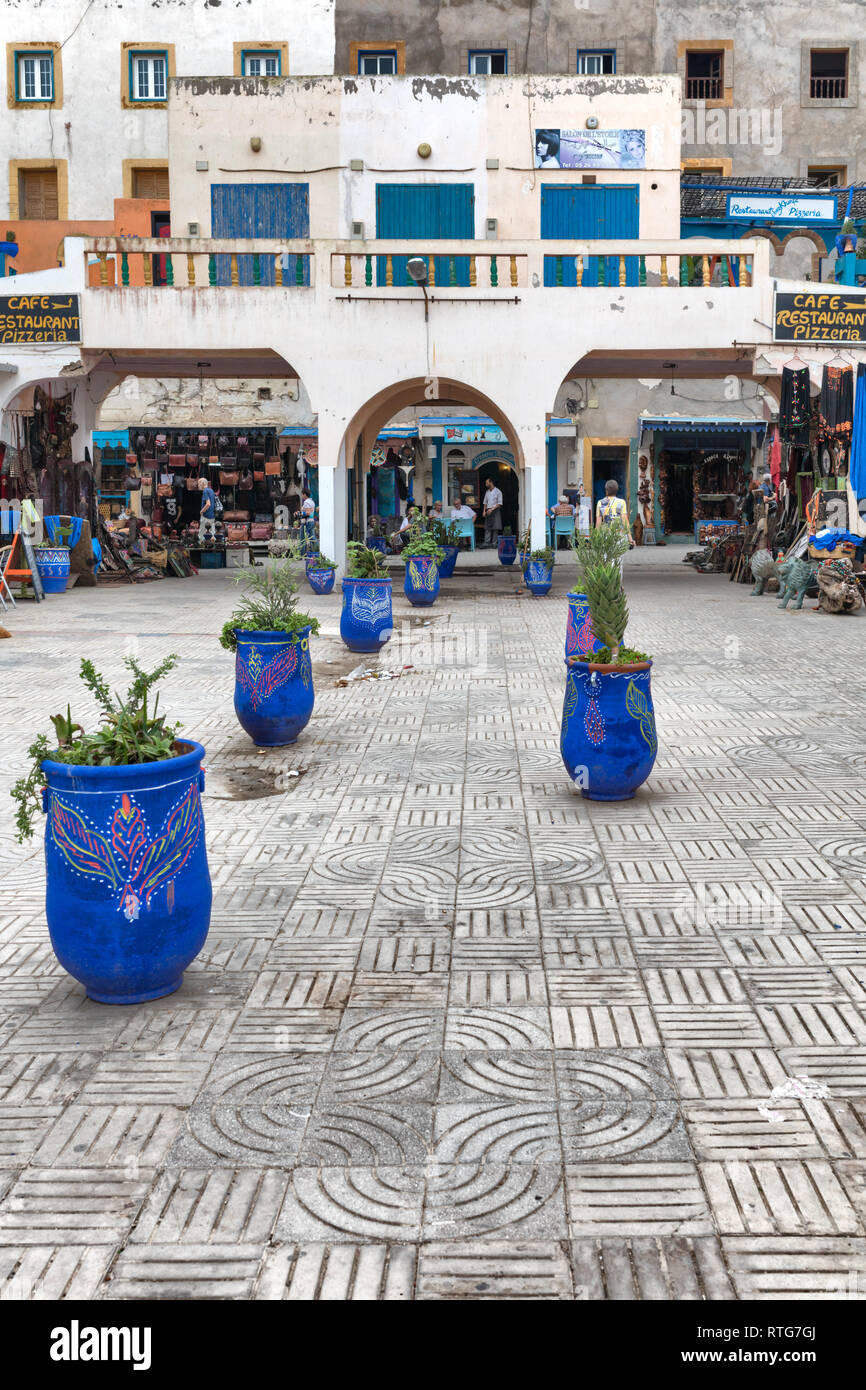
462 512
492 513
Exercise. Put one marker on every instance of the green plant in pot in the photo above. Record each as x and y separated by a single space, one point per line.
447 536
274 694
608 736
423 556
128 893
321 575
366 620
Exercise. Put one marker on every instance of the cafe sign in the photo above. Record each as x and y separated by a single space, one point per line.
753 207
819 317
40 318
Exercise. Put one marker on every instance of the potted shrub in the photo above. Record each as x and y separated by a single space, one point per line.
608 735
321 575
507 547
128 892
423 556
446 536
366 621
538 571
274 694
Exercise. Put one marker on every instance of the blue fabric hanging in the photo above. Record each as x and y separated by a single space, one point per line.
52 523
857 466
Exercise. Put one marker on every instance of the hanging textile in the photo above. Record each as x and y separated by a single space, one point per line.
794 406
775 459
836 404
73 525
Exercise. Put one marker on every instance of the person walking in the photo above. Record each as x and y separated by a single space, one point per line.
492 510
611 510
207 515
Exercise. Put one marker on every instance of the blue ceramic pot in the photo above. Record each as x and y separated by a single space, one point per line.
366 622
310 562
507 550
52 562
608 737
377 543
274 694
538 577
579 636
128 890
446 568
321 581
421 584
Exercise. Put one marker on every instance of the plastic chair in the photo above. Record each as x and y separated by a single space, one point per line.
465 526
562 526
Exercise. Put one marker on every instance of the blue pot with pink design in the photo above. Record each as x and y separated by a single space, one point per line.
421 585
608 736
507 550
367 621
579 636
128 895
274 694
321 579
52 562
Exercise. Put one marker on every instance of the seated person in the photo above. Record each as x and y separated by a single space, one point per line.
412 518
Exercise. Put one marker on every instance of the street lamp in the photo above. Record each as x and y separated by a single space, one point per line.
417 268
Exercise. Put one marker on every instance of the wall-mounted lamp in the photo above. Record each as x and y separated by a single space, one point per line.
417 268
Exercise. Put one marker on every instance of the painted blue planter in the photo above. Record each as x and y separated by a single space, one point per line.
128 893
507 550
274 694
379 543
538 577
310 562
579 636
321 581
608 736
366 622
446 568
52 562
421 584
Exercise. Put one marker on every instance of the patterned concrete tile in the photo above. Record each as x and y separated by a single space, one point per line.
797 1267
185 1272
338 1272
200 1206
466 1200
485 1270
52 1271
81 1205
637 1199
661 1268
771 1198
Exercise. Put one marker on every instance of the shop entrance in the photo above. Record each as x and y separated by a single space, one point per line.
681 495
609 461
505 478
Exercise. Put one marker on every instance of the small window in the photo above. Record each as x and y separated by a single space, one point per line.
828 175
150 183
37 195
828 74
148 76
263 64
488 62
596 62
35 76
377 62
704 75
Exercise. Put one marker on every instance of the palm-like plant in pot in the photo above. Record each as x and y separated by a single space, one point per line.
608 736
274 694
128 892
366 621
423 555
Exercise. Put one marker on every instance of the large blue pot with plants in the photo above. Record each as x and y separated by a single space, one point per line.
608 735
579 636
52 562
321 580
446 566
538 577
274 694
128 895
507 550
421 585
379 543
366 622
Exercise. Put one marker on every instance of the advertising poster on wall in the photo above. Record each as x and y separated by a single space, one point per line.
590 149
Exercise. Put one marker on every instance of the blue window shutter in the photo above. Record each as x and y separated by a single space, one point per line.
425 212
260 210
589 212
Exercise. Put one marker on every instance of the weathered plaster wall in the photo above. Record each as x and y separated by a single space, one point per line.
311 129
91 129
180 401
540 36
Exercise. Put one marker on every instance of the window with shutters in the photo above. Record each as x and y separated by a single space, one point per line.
150 183
37 195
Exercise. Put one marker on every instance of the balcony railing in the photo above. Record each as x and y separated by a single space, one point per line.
379 268
704 89
828 88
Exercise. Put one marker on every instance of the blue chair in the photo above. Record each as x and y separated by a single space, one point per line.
465 527
562 526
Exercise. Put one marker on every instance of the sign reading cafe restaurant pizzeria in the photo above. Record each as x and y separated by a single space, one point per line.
39 318
819 317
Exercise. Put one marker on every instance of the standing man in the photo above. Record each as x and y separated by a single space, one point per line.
207 516
492 513
611 509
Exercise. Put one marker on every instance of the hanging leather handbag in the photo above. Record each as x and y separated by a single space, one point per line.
258 475
261 531
203 442
132 460
132 482
164 489
191 458
192 485
176 461
228 460
228 477
237 532
245 481
149 462
273 468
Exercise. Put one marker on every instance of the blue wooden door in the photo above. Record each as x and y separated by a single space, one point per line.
426 212
589 212
261 210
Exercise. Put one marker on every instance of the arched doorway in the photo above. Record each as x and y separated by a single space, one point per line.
505 478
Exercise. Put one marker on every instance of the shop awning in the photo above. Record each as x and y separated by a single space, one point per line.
702 424
111 439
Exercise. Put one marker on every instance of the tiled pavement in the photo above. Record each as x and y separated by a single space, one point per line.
456 1032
